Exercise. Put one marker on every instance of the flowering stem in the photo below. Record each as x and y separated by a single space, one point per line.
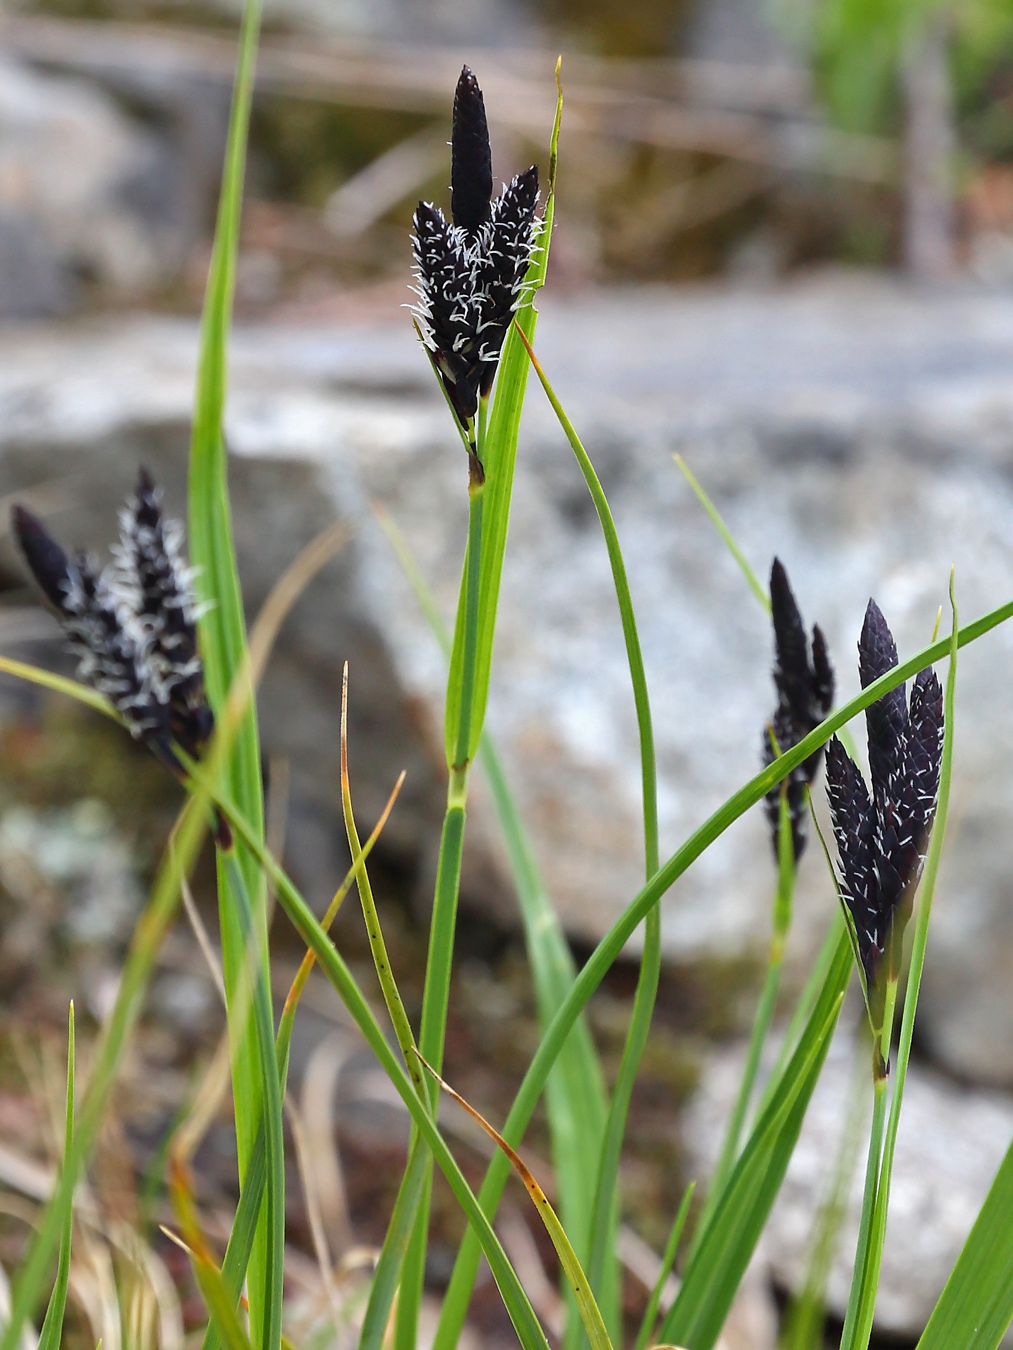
880 1060
436 992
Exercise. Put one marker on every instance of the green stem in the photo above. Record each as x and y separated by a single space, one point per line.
881 1057
782 910
667 1262
436 991
473 576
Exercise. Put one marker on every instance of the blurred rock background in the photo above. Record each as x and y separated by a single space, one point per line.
785 252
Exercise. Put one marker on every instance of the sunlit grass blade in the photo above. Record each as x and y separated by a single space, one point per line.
575 1092
645 1334
237 1254
575 1277
222 625
730 542
917 965
764 1013
52 1328
726 1245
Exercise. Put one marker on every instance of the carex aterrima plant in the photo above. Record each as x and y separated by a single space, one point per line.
133 628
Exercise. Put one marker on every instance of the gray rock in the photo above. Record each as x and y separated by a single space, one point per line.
949 1146
72 169
861 430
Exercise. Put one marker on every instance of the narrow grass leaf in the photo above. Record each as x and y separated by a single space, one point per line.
975 1308
395 1243
52 1328
752 579
214 1290
667 1263
575 1277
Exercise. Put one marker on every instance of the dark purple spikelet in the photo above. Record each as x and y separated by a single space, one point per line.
132 625
471 156
158 584
804 680
112 651
469 271
882 836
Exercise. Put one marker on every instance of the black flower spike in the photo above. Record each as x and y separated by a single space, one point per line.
470 271
113 654
471 156
133 626
882 836
158 585
804 680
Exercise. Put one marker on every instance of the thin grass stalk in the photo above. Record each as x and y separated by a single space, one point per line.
51 1335
881 1057
650 1316
601 959
439 960
377 946
764 1016
806 1314
915 970
601 1270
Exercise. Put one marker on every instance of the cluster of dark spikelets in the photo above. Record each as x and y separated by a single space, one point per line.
881 839
132 625
804 679
470 271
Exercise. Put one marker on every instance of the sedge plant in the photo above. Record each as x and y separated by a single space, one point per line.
165 652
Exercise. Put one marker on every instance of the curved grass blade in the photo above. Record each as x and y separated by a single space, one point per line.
602 1265
667 1263
975 1308
52 1328
752 580
575 1277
